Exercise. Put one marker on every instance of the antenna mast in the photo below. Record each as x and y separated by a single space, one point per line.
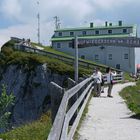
38 18
57 22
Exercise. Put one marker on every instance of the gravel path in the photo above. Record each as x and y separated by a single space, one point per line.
110 119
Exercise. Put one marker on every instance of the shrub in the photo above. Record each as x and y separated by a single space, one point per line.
5 102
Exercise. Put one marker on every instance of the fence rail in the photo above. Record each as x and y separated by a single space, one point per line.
61 129
63 58
118 78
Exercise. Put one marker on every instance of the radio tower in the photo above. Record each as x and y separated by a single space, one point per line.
38 19
57 22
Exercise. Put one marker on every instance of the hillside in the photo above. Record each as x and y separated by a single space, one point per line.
12 56
65 57
28 76
36 130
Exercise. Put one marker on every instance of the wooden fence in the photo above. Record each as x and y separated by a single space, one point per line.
61 129
65 59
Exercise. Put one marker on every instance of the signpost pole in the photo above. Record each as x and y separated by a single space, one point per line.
76 59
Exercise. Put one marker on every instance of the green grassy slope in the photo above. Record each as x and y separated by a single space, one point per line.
10 56
132 97
38 130
50 49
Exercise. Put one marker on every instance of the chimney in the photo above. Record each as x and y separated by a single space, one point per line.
120 22
110 24
91 25
106 24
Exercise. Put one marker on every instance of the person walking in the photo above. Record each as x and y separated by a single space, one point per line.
97 81
109 77
102 85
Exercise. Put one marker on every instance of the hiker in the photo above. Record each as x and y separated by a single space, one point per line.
109 77
97 81
102 85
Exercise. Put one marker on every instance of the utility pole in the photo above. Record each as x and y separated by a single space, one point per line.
57 22
38 19
76 59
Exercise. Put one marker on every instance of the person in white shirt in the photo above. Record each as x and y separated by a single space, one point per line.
109 77
97 81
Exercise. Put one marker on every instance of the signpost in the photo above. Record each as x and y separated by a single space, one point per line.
76 59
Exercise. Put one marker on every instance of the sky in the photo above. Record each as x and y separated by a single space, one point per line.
18 18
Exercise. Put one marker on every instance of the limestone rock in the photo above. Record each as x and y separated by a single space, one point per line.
31 90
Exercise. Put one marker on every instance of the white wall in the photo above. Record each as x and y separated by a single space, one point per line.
116 51
137 57
64 47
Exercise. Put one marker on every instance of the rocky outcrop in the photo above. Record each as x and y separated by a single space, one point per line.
31 90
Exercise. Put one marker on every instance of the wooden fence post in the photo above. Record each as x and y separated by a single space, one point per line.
56 93
71 83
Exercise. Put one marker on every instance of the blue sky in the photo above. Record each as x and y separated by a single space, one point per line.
18 17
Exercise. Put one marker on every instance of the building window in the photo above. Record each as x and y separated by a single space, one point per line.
118 66
70 45
110 57
96 57
124 30
82 56
58 45
84 32
60 34
96 32
71 33
109 31
126 56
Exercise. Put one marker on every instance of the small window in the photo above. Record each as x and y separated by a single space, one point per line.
124 30
125 56
71 33
70 45
60 33
110 56
118 66
58 45
84 32
109 31
96 32
96 57
82 56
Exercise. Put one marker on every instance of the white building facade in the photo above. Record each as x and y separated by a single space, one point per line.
113 45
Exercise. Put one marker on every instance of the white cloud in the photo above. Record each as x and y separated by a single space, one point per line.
26 11
71 13
3 40
110 4
27 31
11 8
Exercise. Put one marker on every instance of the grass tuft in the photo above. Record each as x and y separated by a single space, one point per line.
31 60
132 97
38 130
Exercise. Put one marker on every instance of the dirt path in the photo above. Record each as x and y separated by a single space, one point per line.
110 119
